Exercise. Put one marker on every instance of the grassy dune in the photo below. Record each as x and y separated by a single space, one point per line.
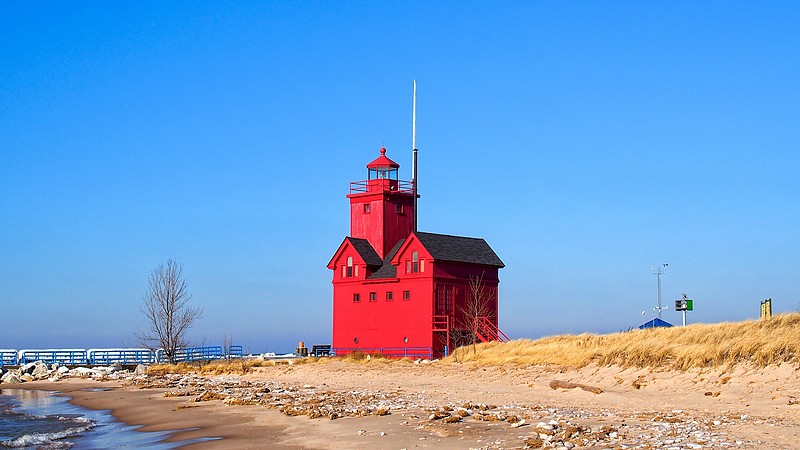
761 343
243 366
755 342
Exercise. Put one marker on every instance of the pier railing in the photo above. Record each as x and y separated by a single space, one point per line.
235 351
67 357
8 358
108 356
207 353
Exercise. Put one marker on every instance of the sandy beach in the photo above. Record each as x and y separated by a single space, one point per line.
457 406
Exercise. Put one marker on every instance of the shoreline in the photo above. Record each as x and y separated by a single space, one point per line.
740 407
150 411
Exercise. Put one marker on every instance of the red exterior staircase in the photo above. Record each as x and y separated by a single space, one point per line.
487 331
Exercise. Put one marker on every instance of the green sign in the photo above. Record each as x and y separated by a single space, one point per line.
688 304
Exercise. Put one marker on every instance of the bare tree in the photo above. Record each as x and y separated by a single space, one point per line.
166 305
475 309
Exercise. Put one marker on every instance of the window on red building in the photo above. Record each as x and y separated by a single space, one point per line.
389 296
349 272
414 262
366 208
373 297
406 295
356 298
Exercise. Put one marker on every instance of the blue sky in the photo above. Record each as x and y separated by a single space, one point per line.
585 141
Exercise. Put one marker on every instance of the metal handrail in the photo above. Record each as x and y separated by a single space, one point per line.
390 352
439 321
107 356
362 186
8 357
53 356
493 331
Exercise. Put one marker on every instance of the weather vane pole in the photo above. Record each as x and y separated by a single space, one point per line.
414 153
658 272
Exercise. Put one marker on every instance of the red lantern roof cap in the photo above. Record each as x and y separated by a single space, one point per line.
382 162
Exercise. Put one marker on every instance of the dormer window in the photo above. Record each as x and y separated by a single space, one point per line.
349 271
414 262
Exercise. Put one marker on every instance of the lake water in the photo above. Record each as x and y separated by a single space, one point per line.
40 420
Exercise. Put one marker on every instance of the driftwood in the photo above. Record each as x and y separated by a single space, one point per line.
558 384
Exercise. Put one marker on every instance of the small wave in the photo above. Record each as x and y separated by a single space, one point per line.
78 419
46 439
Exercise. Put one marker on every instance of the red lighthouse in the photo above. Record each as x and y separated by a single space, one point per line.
402 292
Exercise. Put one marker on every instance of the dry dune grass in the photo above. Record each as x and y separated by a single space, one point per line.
756 342
243 366
761 343
221 367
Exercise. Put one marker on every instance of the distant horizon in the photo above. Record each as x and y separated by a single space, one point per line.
583 142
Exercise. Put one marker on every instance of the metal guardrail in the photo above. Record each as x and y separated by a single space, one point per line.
199 353
389 352
189 354
108 356
385 184
53 356
8 357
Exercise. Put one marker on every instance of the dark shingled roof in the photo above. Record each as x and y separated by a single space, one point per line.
443 247
387 270
364 248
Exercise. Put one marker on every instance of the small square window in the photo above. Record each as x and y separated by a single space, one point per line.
366 208
373 297
356 298
398 209
389 296
406 295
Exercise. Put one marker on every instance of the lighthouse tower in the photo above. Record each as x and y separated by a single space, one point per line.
402 292
382 206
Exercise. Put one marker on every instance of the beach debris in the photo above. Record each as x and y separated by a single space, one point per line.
534 442
11 378
177 394
639 382
209 396
518 424
559 384
452 419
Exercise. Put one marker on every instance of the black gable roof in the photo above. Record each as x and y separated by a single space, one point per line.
444 247
364 248
388 270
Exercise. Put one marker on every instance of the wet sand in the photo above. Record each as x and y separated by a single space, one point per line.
637 408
